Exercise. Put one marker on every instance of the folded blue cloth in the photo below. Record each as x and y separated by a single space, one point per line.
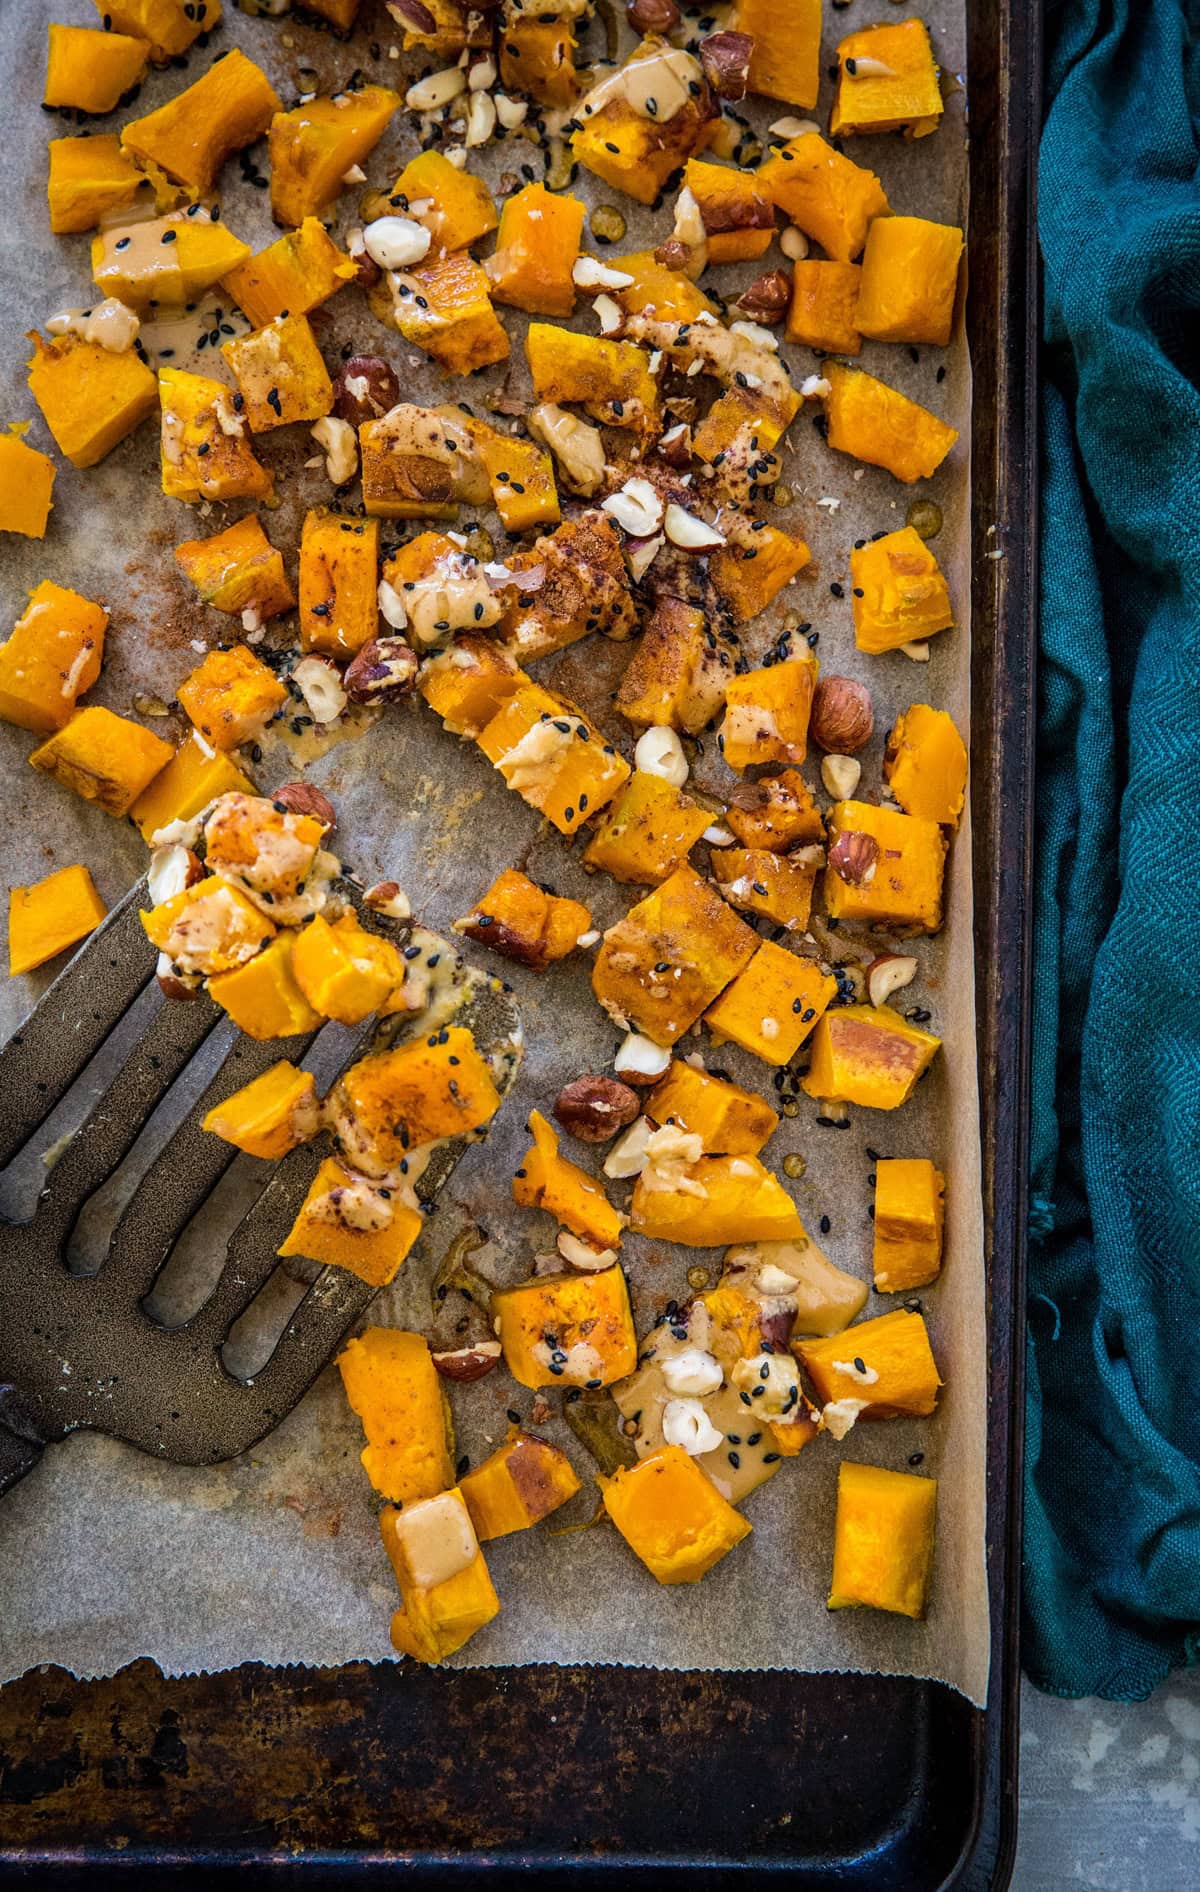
1112 1539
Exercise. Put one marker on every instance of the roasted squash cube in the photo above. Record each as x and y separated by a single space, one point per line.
776 812
584 589
824 194
231 696
773 1004
749 575
866 1054
270 1116
52 657
567 1329
90 397
678 674
90 71
909 280
455 206
738 218
611 380
824 305
657 291
391 1382
900 595
521 921
925 764
189 138
714 1200
455 27
552 757
343 971
909 1213
728 1120
444 307
263 998
49 916
671 1516
171 26
205 452
417 1093
102 757
466 684
878 424
887 81
273 854
785 62
348 1223
666 961
209 928
747 423
441 588
882 1540
537 247
622 142
890 872
827 1299
280 374
523 1481
779 886
292 276
313 146
648 831
192 779
552 1182
885 1365
521 475
339 582
537 55
238 570
164 261
411 466
444 1582
89 178
766 713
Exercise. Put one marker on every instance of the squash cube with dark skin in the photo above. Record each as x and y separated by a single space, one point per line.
550 755
90 397
444 307
280 374
522 1481
779 886
887 81
636 128
776 812
884 868
899 593
728 1120
548 1180
877 424
231 696
391 1102
679 672
584 589
772 1005
339 583
667 960
648 831
311 148
521 921
205 452
567 1329
868 1055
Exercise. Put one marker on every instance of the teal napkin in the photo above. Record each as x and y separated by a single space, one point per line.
1112 1493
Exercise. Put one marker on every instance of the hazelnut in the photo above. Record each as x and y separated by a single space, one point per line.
776 1329
653 16
889 973
854 857
389 898
581 1255
725 63
414 15
366 271
170 985
465 1364
365 387
674 254
382 671
595 1108
301 798
766 299
841 775
842 720
675 446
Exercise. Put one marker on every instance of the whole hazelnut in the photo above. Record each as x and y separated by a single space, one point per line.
301 798
842 719
381 672
653 16
595 1108
725 62
365 387
854 857
766 299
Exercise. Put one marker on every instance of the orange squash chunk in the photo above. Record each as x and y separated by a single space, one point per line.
909 1214
339 582
446 1592
585 587
189 782
454 206
47 917
346 1222
270 1116
670 956
656 290
230 696
909 280
391 1383
537 247
786 59
90 398
880 425
884 867
824 194
610 380
343 971
750 574
882 1540
444 307
728 1120
89 71
632 149
205 451
102 757
52 657
466 684
900 1377
648 831
89 177
776 812
738 219
671 1516
262 996
208 928
925 764
899 593
537 56
521 921
552 757
313 146
766 713
280 374
567 1329
824 306
190 137
523 1481
866 1054
26 484
716 1200
679 672
238 570
293 275
779 886
418 1093
171 26
773 1005
887 81
549 1181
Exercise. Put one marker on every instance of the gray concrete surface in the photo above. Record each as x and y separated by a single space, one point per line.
1110 1794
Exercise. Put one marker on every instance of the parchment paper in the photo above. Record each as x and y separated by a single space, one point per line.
106 1555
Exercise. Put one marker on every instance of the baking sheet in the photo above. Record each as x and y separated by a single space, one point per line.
105 1555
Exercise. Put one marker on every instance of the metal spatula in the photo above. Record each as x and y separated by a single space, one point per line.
80 1349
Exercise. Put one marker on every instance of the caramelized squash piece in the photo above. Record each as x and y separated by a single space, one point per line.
89 179
521 921
728 1120
610 380
779 886
205 452
90 397
468 683
671 1516
584 589
435 1087
444 307
102 757
750 573
657 291
339 582
347 1222
550 755
391 1383
230 696
679 672
887 81
716 1199
648 831
523 1481
292 276
567 1329
776 812
547 1180
209 928
738 219
666 961
280 374
773 1004
455 206
343 971
766 713
51 659
880 425
189 138
238 570
882 1540
271 1115
884 867
899 593
638 125
824 194
867 1054
537 56
49 916
909 1214
313 146
537 247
